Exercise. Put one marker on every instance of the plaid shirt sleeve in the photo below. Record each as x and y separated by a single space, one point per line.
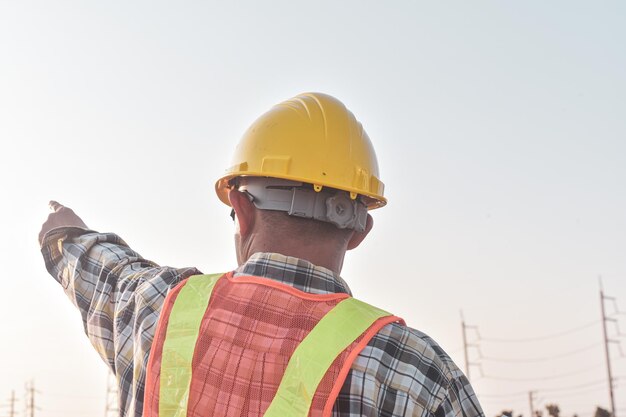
403 372
119 295
459 398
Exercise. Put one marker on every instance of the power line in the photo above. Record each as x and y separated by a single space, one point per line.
537 397
539 338
573 387
543 378
577 393
517 401
512 394
65 395
541 359
457 350
576 388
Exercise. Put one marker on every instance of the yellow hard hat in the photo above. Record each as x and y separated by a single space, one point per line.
311 138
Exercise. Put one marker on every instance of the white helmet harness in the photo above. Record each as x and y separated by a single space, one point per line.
301 200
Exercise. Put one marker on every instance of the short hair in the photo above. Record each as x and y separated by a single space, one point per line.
310 230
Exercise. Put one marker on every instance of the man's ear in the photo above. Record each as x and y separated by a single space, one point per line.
244 211
357 237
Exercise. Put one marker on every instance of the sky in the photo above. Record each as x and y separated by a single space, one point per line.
500 132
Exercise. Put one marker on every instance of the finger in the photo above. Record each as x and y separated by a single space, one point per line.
55 205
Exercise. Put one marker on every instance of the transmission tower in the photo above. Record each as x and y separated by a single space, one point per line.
11 405
466 345
111 409
608 341
29 399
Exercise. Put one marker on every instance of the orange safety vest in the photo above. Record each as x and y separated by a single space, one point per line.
250 346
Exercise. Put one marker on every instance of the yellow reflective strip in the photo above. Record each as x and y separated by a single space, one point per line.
180 342
309 363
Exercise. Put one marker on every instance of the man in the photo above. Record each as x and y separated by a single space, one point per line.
247 343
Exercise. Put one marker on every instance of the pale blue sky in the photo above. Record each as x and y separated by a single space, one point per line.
500 129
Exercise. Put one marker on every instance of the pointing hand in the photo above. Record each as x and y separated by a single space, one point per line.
61 216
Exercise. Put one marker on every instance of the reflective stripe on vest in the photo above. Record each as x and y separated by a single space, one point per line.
179 345
170 374
338 328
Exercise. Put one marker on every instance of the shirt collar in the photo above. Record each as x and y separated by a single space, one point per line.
295 272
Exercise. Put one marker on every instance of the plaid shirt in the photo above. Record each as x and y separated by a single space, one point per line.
402 372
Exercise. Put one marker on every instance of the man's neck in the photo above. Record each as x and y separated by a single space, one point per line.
318 254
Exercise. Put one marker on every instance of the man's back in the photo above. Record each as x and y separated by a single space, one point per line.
401 371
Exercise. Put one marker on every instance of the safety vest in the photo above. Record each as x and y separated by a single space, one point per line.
250 346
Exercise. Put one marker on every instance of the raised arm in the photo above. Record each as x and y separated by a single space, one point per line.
119 293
